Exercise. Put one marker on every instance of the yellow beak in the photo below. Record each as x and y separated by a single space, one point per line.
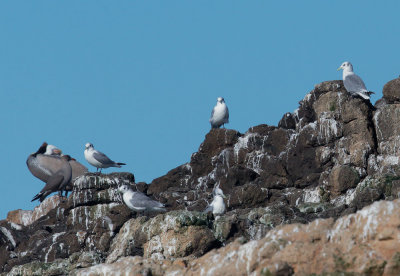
340 68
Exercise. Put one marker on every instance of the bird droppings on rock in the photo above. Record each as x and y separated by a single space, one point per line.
317 194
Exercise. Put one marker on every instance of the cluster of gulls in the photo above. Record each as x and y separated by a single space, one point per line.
59 171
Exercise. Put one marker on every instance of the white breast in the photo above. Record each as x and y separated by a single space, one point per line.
218 205
89 157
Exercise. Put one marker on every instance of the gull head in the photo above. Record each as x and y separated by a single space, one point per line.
219 192
346 66
52 150
89 146
220 100
123 189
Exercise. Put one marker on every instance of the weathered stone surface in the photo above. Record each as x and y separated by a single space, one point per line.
342 178
172 235
332 156
364 243
391 91
27 217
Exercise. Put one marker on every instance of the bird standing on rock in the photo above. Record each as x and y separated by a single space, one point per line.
219 114
46 161
99 159
57 181
217 206
353 83
138 201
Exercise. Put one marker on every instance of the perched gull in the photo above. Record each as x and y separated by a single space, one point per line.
138 201
353 83
220 114
58 181
46 161
217 206
99 159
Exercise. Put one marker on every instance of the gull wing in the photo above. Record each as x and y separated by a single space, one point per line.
354 83
141 201
102 158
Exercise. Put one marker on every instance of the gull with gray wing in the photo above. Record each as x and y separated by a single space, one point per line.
138 201
353 83
99 159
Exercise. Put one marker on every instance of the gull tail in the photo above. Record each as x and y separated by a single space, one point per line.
365 95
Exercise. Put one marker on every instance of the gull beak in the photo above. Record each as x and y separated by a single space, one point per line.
223 196
340 68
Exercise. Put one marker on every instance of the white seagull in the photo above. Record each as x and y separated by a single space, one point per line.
353 83
99 159
217 206
138 201
220 114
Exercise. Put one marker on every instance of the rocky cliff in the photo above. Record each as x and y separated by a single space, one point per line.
316 194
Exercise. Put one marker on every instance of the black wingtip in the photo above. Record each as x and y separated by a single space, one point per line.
121 164
36 197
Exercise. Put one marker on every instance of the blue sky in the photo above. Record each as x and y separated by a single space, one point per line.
138 79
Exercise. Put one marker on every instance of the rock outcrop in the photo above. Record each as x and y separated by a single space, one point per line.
296 203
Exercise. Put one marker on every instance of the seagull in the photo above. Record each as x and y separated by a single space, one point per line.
219 114
353 83
138 201
217 206
58 181
99 159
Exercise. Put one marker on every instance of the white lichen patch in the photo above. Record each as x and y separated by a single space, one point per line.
311 195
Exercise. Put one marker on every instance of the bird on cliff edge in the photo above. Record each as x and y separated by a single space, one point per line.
138 201
57 181
46 161
217 206
219 114
353 83
99 159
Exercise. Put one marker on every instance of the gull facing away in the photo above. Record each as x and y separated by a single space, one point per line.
138 201
220 114
99 159
58 181
217 206
353 83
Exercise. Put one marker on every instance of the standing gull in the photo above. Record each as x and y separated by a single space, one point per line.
217 206
138 201
219 114
58 181
353 83
99 159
